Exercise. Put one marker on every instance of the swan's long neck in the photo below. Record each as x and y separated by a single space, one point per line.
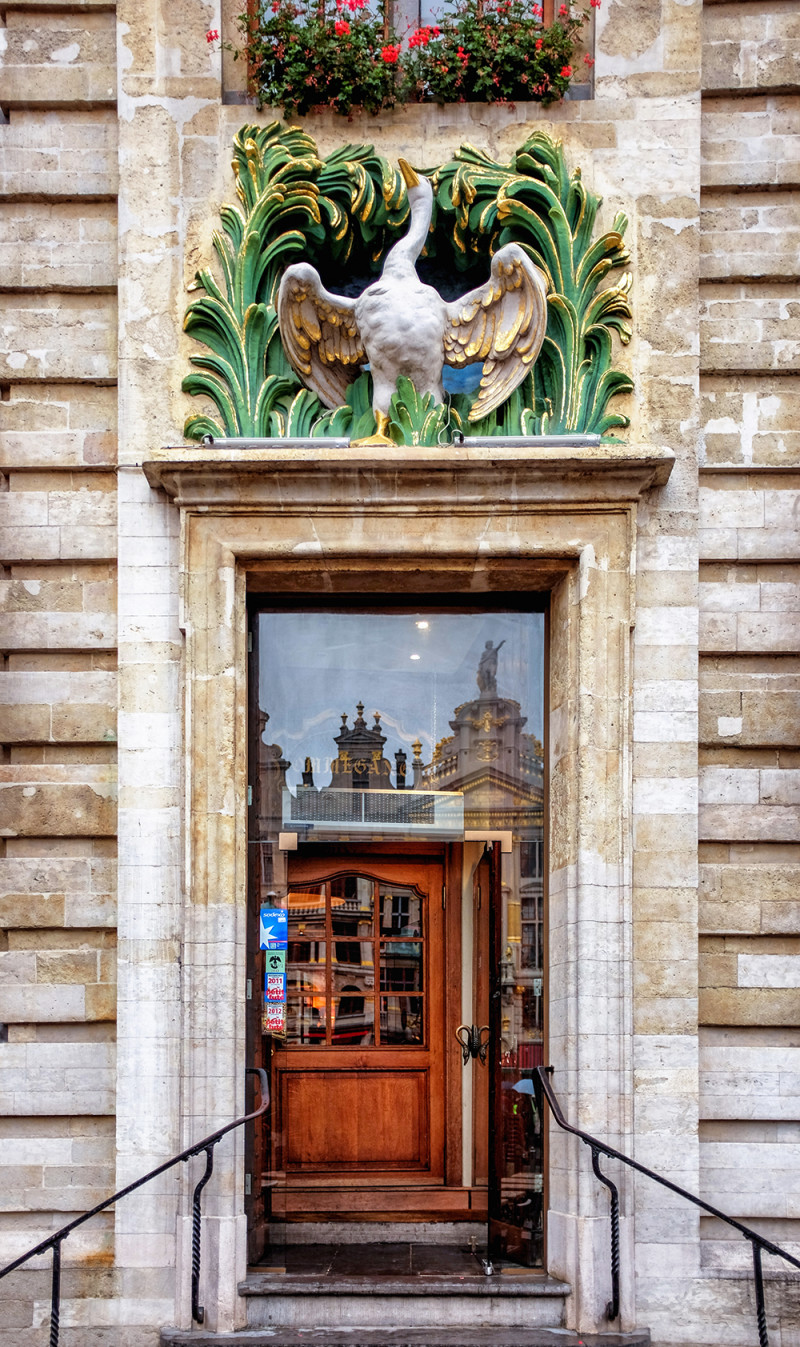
403 256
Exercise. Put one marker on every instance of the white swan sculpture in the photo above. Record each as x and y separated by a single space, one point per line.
403 327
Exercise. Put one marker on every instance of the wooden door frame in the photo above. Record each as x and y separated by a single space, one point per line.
450 856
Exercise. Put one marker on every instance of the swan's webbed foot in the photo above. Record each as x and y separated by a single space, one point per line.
380 436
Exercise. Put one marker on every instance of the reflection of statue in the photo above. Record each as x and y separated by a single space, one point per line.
487 669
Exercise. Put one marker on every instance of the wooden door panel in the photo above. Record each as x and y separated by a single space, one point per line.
372 1112
355 1120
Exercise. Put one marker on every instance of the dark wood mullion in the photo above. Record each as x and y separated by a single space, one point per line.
376 917
328 966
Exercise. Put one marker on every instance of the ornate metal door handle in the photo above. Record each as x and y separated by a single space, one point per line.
472 1042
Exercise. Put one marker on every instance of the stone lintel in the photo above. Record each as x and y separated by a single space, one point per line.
569 473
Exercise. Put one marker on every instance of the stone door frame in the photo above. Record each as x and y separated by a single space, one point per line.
532 519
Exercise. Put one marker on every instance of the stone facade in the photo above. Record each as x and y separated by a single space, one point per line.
674 768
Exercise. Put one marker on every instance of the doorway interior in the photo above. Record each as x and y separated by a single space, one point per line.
404 841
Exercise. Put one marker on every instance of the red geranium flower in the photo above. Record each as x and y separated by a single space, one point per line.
390 53
565 71
341 28
539 44
588 60
212 35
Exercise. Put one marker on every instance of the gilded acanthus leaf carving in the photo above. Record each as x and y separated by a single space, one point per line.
342 215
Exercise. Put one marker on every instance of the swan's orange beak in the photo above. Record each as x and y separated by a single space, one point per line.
410 178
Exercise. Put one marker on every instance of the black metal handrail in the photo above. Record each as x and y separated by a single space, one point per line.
758 1243
208 1143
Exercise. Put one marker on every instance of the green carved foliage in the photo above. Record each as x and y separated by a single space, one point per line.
537 203
342 213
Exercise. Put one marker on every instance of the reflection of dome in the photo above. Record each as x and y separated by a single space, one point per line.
498 768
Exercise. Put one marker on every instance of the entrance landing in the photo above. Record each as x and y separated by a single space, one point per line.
399 1294
325 1263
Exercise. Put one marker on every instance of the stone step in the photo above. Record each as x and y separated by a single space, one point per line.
494 1337
513 1299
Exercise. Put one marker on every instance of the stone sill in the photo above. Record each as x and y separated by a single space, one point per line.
576 93
514 1285
316 471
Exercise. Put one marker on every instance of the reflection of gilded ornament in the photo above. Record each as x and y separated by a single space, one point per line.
487 751
487 722
360 766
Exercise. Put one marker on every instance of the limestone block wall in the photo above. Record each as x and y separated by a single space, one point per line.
715 248
749 820
58 688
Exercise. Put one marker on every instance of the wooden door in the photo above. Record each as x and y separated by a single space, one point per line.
359 1084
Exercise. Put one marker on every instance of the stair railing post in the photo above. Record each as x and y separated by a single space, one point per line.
198 1312
612 1308
761 1309
55 1295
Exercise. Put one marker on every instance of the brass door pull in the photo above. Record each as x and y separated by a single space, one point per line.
472 1042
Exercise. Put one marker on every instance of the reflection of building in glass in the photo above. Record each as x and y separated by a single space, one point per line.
500 772
352 939
356 960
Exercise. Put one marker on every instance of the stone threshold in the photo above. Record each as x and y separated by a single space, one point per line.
517 1283
402 1337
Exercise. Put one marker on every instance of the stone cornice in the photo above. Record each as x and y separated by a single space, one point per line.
275 474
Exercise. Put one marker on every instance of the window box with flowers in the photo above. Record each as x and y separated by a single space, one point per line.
341 54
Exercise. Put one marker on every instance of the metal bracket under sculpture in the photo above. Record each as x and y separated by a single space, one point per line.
538 323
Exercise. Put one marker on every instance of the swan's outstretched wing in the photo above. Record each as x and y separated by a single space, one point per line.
319 334
501 323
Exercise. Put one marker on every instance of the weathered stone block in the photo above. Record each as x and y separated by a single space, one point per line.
750 142
58 426
58 336
736 1006
750 47
755 236
745 718
70 890
67 155
732 993
73 801
750 420
53 631
58 247
749 327
58 523
59 59
753 521
753 608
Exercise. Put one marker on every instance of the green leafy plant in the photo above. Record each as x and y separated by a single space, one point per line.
342 214
301 56
492 51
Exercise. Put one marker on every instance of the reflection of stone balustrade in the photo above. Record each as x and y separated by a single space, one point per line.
439 813
438 770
